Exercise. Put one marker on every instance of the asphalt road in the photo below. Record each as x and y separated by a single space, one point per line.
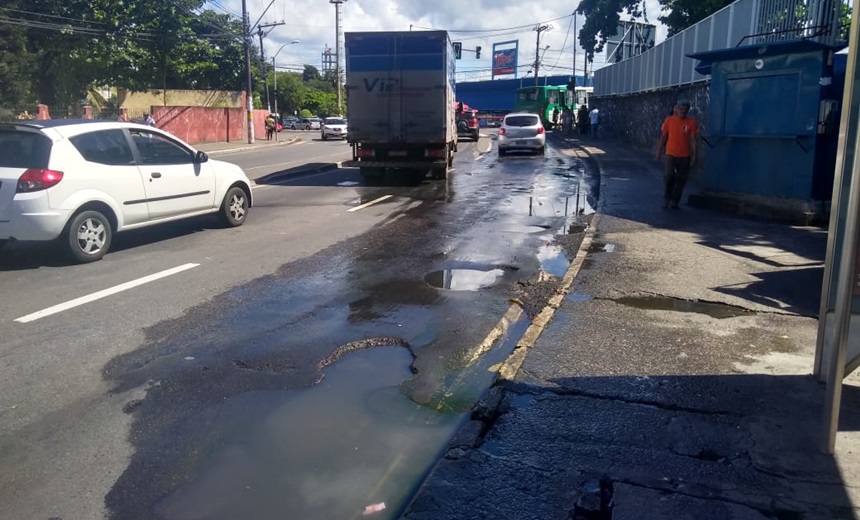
186 365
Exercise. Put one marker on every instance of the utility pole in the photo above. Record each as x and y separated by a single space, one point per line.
246 38
539 29
261 33
575 35
338 50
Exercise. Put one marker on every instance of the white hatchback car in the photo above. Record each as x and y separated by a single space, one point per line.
82 181
333 128
522 131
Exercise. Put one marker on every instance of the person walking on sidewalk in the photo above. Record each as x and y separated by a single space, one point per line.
594 122
678 137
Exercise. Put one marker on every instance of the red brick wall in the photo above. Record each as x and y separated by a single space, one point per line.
202 125
260 123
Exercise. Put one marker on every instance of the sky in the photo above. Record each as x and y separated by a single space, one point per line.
482 23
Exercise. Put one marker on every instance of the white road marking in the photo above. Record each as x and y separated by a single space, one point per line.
103 294
371 203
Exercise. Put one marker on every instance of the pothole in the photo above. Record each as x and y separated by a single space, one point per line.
666 303
464 279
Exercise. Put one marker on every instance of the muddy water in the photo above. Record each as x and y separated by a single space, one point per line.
326 452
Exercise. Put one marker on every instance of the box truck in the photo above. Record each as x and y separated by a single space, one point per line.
401 103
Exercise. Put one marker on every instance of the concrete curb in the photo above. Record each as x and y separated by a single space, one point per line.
509 368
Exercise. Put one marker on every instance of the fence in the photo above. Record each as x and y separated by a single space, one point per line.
745 22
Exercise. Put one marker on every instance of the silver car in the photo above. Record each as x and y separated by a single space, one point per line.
522 131
333 128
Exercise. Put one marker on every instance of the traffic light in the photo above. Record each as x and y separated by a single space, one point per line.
458 50
478 52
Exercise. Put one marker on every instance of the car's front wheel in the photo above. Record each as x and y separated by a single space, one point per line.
88 236
234 209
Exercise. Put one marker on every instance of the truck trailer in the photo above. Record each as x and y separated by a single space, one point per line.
401 103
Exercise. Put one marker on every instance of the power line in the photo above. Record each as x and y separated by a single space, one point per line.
453 31
565 40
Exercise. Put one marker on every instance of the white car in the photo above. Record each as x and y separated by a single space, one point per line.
333 128
82 181
522 131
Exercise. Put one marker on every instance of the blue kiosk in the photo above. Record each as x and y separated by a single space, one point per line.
772 126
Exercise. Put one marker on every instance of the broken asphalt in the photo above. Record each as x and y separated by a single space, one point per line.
672 382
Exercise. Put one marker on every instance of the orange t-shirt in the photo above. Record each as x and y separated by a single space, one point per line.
679 130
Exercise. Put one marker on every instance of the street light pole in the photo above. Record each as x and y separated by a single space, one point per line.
275 77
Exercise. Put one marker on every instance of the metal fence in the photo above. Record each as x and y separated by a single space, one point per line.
745 22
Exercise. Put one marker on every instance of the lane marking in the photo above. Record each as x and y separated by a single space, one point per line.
371 203
103 294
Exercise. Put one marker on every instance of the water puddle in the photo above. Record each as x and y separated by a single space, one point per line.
527 229
464 279
352 441
665 303
553 260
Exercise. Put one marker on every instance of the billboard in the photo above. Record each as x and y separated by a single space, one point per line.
631 39
505 58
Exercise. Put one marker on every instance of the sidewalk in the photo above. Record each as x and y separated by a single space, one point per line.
223 147
673 382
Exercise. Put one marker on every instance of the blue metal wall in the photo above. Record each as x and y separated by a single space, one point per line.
499 95
763 120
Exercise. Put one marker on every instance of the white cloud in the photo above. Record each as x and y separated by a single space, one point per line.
313 23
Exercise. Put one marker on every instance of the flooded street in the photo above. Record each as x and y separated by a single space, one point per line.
330 386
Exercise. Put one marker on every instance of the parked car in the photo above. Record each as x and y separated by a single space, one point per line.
522 131
81 181
467 121
334 128
308 123
290 122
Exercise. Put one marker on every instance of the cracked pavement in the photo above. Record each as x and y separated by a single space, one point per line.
624 409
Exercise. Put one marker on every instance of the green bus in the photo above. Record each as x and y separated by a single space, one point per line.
543 100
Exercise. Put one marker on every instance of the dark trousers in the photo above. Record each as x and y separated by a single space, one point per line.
674 178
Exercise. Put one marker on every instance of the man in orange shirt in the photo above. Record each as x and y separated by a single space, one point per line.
679 139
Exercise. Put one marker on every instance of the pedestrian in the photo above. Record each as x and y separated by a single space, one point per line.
148 120
555 117
594 122
678 137
566 116
582 119
270 127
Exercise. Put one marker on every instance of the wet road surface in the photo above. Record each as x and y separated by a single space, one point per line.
332 381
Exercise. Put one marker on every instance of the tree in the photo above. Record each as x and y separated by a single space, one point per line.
311 73
15 68
684 13
602 17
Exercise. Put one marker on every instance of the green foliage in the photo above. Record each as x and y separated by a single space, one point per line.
311 73
684 13
323 104
306 113
602 17
601 21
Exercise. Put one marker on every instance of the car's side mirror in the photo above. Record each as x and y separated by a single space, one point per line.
201 157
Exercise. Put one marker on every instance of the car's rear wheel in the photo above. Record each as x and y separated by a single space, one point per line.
88 236
234 209
542 150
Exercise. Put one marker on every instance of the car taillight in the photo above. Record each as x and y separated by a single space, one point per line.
540 130
365 152
502 131
36 180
